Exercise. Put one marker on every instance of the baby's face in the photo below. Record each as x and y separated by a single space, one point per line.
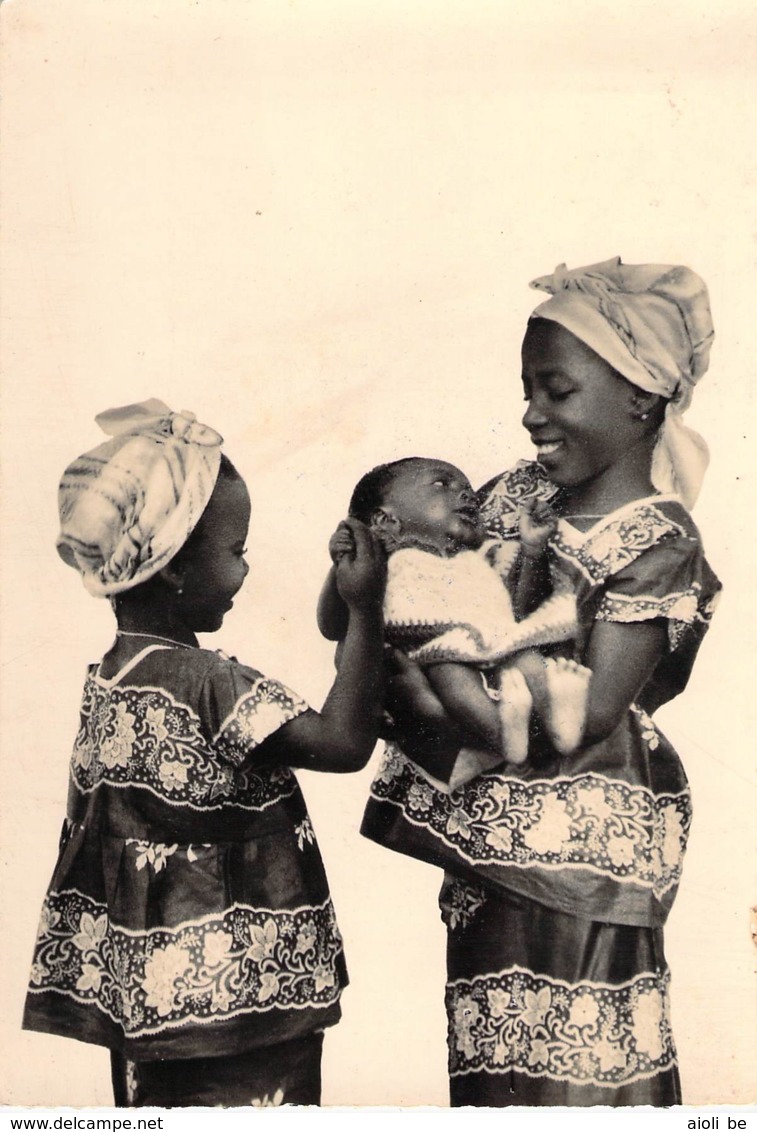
434 501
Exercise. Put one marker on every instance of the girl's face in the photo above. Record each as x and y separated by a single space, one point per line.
580 411
212 564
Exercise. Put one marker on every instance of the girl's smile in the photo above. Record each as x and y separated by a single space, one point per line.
582 416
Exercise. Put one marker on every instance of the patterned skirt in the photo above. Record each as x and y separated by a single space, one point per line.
546 1008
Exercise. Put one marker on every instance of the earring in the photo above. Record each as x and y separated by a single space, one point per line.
644 416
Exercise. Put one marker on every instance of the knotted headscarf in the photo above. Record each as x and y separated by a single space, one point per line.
652 323
128 506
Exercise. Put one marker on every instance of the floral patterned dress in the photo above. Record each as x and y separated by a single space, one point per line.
560 877
189 913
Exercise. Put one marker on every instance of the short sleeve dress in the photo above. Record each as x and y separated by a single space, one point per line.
560 878
189 914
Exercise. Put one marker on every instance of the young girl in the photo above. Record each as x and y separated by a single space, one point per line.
188 925
559 880
447 605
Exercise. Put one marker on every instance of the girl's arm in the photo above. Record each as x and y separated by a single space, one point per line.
333 613
343 734
621 657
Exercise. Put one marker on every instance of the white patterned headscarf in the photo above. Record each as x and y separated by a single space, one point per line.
652 323
128 506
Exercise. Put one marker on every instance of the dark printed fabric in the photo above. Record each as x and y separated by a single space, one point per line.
285 1073
189 912
574 840
561 874
545 1008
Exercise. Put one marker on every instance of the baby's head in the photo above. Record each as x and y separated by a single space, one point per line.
419 502
157 505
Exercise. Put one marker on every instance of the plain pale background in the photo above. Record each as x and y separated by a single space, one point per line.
313 223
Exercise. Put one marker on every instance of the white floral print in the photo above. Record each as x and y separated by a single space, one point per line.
305 833
264 709
648 1021
307 937
146 739
536 1006
420 796
264 941
173 774
116 747
592 1032
152 853
500 838
234 962
90 978
616 544
552 830
583 1011
593 800
585 821
165 967
217 947
674 837
91 933
459 901
156 720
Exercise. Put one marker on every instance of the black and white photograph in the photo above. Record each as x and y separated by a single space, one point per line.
378 483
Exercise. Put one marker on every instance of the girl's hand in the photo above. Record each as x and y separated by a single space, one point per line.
342 543
360 566
536 523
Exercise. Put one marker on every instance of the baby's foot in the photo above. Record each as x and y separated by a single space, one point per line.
515 707
568 685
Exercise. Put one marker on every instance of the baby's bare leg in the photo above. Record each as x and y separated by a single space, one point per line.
515 706
560 690
461 690
569 691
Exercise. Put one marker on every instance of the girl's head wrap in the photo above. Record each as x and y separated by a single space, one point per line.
652 324
128 506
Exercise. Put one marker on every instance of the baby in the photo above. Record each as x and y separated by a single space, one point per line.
461 605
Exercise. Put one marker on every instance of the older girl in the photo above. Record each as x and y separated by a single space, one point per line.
188 926
560 878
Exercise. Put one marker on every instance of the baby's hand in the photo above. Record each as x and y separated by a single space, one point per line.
361 570
342 543
536 522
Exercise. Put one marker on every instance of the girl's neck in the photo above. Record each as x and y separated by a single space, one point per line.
625 481
152 618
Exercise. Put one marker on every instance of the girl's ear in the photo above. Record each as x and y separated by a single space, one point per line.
384 520
644 405
173 576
